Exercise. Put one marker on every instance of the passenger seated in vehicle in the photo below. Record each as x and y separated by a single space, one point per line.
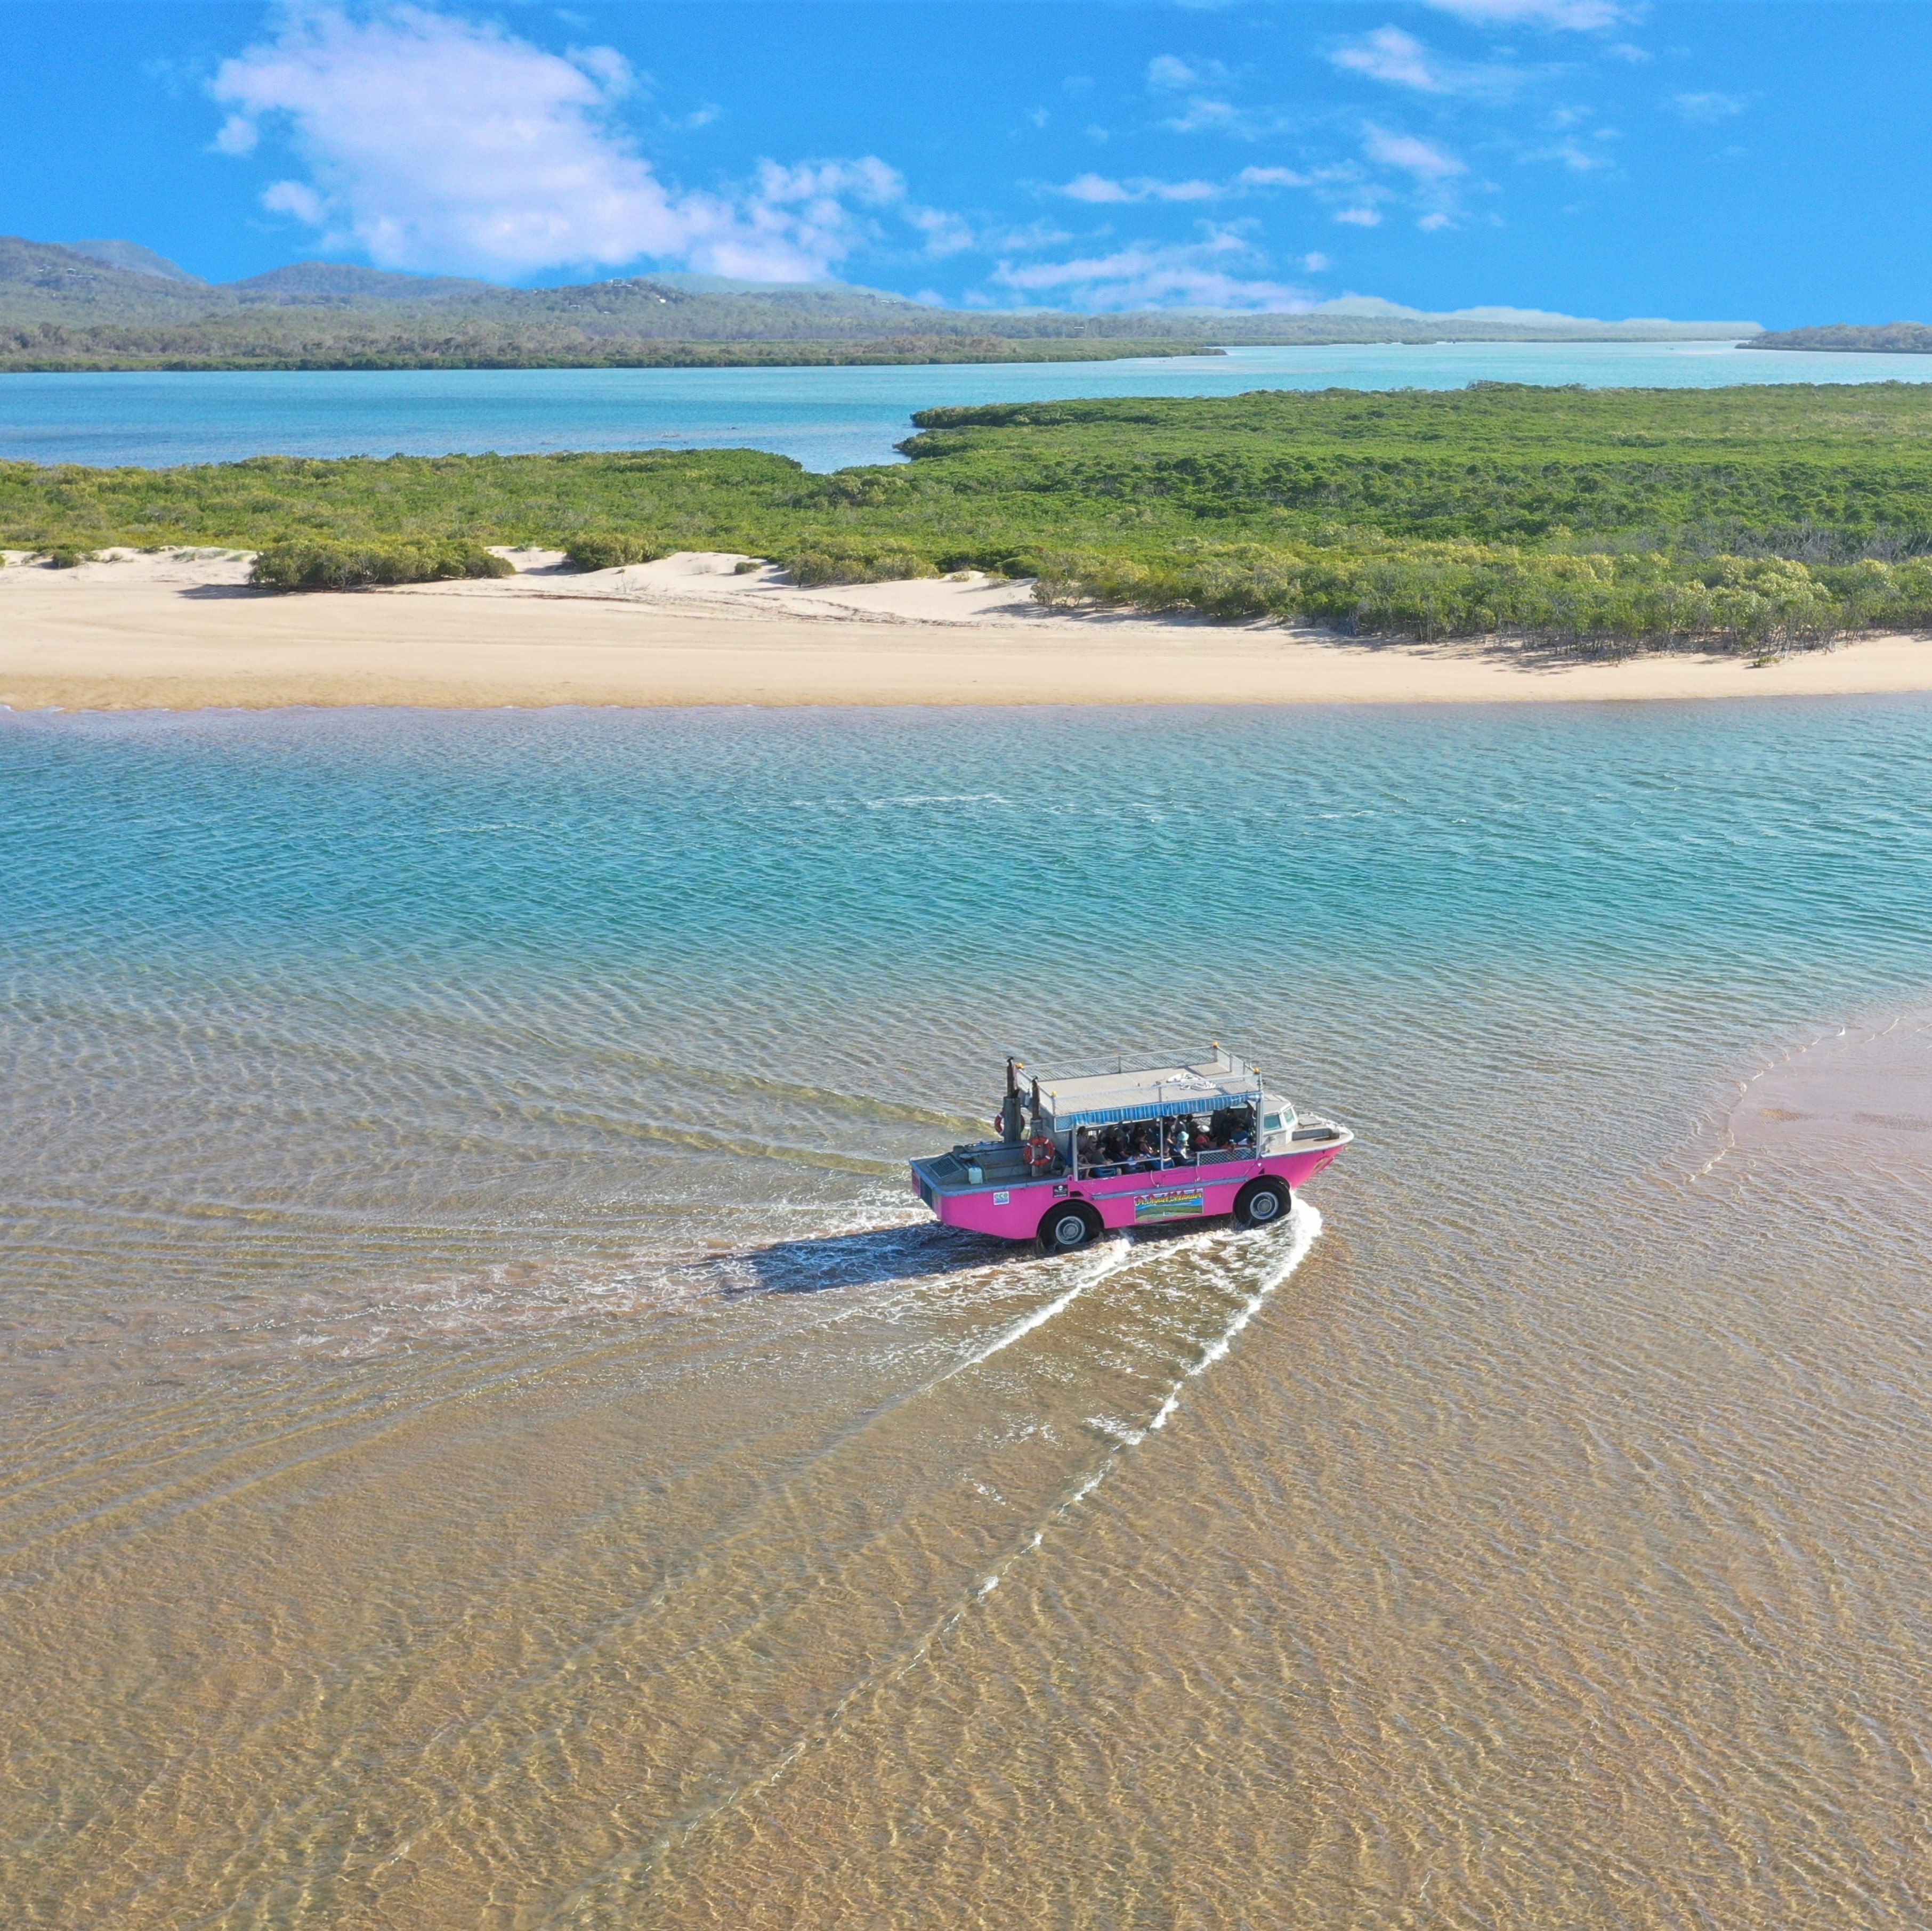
1180 1141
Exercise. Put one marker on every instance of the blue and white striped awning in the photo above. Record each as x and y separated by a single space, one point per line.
1151 1108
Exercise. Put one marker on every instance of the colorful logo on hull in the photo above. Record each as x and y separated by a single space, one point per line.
1177 1203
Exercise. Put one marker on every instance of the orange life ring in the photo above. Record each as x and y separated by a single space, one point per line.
1040 1152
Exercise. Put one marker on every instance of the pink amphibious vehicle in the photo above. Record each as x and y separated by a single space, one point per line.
1130 1150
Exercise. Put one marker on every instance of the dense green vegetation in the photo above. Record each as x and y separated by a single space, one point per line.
1756 517
1896 338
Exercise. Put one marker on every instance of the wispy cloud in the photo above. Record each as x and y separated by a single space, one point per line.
946 233
1421 158
1103 190
1171 74
1098 188
1400 60
431 141
1577 16
1709 110
1206 273
1389 54
1360 217
1197 91
1574 155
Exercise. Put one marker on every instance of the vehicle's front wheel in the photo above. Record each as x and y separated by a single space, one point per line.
1068 1225
1262 1203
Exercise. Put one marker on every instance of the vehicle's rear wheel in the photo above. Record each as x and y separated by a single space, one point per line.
1262 1202
1068 1224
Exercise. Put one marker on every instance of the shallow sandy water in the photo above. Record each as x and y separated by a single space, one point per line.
489 1441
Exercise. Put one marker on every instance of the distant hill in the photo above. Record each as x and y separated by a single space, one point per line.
343 285
1894 338
41 281
132 255
117 305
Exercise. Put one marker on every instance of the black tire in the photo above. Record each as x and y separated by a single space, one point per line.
1068 1223
1262 1203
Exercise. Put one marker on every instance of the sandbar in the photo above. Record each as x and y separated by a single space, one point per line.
1866 1086
183 631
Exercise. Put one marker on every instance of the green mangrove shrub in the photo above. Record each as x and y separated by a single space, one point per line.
886 565
322 565
612 549
1393 588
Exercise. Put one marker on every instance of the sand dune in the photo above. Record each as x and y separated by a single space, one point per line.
182 630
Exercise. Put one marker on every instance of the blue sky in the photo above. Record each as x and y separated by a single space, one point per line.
1607 157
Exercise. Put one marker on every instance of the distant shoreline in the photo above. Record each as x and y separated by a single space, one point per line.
1844 338
150 634
373 359
52 352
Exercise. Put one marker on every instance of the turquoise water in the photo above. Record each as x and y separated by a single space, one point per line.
825 418
489 1437
269 926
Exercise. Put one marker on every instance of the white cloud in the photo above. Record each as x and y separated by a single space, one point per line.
1419 157
296 198
1401 60
798 216
1103 190
1316 264
1707 108
1035 235
1573 155
945 234
608 68
1096 187
1200 274
1429 224
433 142
1362 217
1167 71
1579 15
238 137
1389 54
1202 111
1204 115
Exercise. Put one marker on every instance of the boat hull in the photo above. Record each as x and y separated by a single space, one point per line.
1014 1212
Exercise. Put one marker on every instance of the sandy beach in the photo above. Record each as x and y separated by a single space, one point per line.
183 631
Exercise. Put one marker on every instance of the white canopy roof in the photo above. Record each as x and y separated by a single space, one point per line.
1101 1099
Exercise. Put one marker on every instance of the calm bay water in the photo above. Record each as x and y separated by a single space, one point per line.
489 1441
825 418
